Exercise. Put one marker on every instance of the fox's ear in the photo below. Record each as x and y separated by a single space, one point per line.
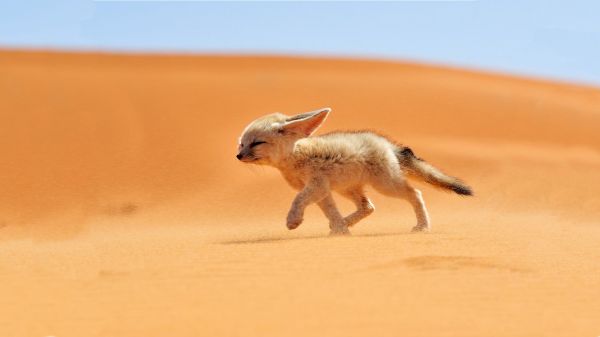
306 123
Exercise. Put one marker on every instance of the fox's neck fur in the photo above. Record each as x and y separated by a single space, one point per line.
283 157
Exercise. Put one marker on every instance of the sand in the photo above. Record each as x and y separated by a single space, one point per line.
123 211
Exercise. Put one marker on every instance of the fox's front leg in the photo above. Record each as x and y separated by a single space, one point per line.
314 191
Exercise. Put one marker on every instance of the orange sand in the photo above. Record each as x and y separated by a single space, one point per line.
123 211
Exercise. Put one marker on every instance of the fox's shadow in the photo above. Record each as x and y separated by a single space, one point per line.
275 239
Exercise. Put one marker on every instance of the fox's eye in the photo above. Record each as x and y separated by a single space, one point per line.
256 143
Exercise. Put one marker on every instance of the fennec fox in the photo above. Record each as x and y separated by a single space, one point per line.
339 161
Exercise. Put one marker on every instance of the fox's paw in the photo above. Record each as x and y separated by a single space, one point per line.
293 223
421 229
294 220
337 231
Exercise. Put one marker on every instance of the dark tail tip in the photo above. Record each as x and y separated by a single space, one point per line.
407 152
462 190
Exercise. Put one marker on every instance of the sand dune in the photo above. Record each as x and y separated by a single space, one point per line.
123 211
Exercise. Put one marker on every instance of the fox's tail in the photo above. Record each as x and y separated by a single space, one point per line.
417 167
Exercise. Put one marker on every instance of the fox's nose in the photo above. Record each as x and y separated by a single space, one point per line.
239 156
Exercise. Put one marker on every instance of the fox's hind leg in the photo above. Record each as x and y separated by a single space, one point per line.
364 206
336 221
415 197
398 187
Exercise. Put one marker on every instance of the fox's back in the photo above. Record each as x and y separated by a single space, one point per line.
345 155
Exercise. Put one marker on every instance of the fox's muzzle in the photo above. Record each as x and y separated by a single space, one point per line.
245 156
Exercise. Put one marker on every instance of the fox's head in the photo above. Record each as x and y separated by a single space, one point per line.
271 138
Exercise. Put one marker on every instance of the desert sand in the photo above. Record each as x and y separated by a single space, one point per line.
124 212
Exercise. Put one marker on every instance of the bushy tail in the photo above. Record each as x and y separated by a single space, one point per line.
417 167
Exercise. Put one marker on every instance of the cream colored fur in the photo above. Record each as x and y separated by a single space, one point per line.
344 162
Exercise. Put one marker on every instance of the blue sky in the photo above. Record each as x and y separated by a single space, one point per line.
541 38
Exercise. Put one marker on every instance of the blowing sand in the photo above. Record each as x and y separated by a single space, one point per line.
123 211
